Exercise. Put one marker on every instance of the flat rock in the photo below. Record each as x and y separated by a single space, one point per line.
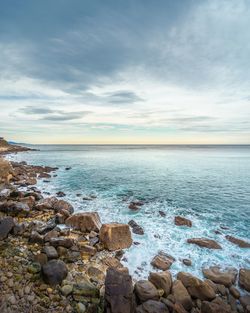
145 290
182 221
54 272
204 242
244 278
162 261
6 225
226 277
162 280
85 222
115 236
239 242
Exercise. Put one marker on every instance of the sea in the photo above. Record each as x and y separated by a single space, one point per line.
208 184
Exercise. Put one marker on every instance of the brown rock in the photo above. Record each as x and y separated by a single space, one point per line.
85 222
118 292
115 236
212 307
244 279
162 261
62 205
88 250
112 262
181 295
162 280
6 225
225 277
239 242
178 308
234 292
204 242
152 306
36 238
46 204
196 287
245 301
182 221
41 258
145 290
62 241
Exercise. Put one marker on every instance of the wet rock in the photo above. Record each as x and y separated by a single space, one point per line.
115 236
6 225
46 204
187 262
244 279
35 237
181 295
54 272
162 261
136 229
118 292
162 280
182 221
226 277
145 290
60 194
68 168
234 292
196 287
239 242
204 242
51 252
132 206
85 222
62 241
152 306
162 213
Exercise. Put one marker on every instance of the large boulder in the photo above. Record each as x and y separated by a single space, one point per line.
54 272
6 225
162 261
196 287
226 277
244 278
115 236
181 295
204 242
239 242
182 221
118 292
162 280
62 205
152 306
46 204
14 208
85 221
145 290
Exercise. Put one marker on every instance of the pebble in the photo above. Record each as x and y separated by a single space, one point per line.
80 307
66 290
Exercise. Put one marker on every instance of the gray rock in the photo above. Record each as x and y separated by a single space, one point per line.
54 272
6 225
50 252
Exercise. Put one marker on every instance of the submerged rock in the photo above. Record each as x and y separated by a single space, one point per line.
136 229
182 221
85 222
205 243
226 277
6 225
239 242
115 236
54 272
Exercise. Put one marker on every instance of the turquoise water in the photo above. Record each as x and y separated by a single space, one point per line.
208 184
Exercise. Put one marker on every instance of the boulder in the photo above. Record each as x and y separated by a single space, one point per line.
62 205
145 290
85 221
6 225
245 301
136 229
118 292
162 261
239 242
54 272
196 287
6 170
244 279
181 295
62 241
182 221
204 242
152 306
115 236
46 204
213 307
162 280
85 289
14 208
35 237
226 277
51 252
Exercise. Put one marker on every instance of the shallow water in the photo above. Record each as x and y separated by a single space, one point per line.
208 184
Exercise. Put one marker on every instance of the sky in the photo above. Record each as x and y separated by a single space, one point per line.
134 71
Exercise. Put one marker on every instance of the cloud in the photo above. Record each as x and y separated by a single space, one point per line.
123 97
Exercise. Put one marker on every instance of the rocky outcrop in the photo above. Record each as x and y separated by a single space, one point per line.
6 225
119 296
162 261
85 222
226 277
54 272
205 243
196 287
182 221
181 295
6 170
115 236
145 290
136 229
244 279
239 242
162 280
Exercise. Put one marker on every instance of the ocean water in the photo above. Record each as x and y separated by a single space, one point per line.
208 184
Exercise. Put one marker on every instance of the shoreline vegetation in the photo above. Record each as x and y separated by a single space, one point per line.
55 260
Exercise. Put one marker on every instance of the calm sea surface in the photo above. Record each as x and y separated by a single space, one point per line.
208 184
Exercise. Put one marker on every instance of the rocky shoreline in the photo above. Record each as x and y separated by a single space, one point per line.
55 260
